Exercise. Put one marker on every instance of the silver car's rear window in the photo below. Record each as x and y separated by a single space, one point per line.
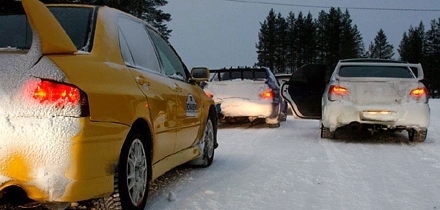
376 71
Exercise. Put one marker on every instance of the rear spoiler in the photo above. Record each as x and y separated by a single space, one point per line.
416 68
54 39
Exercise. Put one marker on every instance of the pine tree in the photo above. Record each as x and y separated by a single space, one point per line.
299 40
321 39
381 48
291 44
404 48
336 38
305 39
266 46
413 45
147 10
432 65
352 45
333 37
281 30
310 39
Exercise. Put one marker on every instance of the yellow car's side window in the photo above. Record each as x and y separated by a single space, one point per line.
171 62
136 46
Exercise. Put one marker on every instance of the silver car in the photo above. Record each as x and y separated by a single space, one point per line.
369 94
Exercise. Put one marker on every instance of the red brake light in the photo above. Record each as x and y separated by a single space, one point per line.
338 90
337 93
267 94
58 93
420 95
418 92
209 95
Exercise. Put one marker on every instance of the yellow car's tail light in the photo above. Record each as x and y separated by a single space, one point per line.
61 95
57 93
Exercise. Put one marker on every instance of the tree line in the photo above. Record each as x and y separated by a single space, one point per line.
287 43
147 10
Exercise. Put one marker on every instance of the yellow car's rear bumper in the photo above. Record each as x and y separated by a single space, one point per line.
60 159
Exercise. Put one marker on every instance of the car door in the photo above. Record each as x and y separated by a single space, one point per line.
188 100
304 90
141 59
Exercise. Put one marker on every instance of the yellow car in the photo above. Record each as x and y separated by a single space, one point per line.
94 104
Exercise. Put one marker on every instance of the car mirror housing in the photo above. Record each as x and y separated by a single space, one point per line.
200 74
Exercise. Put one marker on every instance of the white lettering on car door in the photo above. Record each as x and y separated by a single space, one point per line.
191 106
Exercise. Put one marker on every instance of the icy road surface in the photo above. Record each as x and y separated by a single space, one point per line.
291 167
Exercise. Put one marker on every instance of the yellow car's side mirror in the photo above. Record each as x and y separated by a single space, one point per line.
200 74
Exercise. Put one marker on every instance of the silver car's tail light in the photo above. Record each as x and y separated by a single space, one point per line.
337 92
419 94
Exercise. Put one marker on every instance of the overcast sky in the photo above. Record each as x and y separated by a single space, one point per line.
223 33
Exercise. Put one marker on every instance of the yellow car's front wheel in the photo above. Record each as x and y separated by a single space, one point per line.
207 146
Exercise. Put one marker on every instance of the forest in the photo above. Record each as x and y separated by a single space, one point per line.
287 43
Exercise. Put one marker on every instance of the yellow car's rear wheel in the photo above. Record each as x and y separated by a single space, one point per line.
133 169
131 177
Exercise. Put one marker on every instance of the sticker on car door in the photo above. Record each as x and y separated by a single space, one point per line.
191 106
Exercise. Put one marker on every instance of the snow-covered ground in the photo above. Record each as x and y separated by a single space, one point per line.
291 167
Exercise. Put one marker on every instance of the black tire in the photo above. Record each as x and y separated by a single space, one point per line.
134 190
131 177
417 136
283 117
275 125
208 145
326 133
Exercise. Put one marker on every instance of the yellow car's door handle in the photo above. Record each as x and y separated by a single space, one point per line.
142 81
178 89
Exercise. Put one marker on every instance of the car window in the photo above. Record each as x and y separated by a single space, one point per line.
260 75
235 75
171 62
136 46
125 50
76 21
243 74
248 75
15 31
376 71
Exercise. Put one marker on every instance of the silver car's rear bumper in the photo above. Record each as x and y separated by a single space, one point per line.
407 115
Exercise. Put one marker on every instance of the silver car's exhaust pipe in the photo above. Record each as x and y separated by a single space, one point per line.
355 126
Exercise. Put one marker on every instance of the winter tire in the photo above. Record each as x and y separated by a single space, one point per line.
283 117
131 177
417 136
208 145
326 133
275 125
